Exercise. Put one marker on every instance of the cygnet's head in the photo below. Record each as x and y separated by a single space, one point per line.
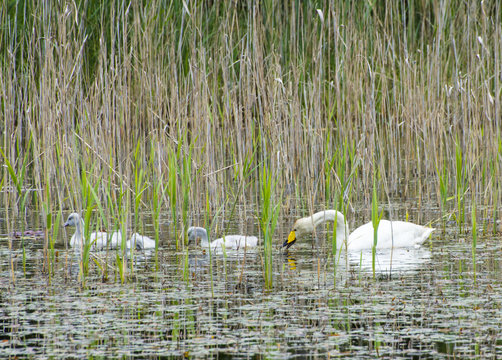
72 220
196 234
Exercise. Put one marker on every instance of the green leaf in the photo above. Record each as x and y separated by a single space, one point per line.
12 173
49 220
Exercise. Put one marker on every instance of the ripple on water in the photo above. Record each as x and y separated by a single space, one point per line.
423 303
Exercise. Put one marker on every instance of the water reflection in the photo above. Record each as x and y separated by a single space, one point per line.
198 305
389 261
198 262
290 259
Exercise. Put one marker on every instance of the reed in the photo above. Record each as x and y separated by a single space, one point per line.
52 238
85 244
208 225
495 209
335 253
268 220
157 196
460 182
375 219
96 83
185 187
474 237
172 186
140 187
123 201
443 192
496 175
18 178
49 240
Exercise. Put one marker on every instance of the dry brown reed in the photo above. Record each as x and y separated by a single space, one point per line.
284 84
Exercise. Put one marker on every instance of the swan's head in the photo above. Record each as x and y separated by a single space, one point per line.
196 234
301 227
307 224
72 220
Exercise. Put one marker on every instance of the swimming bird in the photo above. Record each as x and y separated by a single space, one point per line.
391 234
100 240
234 242
140 242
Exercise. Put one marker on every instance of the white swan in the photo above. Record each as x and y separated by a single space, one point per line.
391 234
234 242
140 242
101 240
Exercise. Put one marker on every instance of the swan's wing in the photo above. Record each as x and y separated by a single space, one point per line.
242 241
235 242
115 240
144 242
218 244
250 241
102 240
133 242
395 234
361 238
405 234
98 240
140 242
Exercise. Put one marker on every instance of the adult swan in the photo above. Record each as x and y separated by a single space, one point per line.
390 234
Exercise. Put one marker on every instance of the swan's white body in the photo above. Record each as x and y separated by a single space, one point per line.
100 240
391 234
233 242
140 242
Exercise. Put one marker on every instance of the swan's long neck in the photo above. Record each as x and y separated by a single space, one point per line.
342 228
78 237
342 231
322 216
204 241
308 224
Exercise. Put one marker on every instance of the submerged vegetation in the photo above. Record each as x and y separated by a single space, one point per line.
212 113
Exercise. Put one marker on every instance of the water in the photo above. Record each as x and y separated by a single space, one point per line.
426 305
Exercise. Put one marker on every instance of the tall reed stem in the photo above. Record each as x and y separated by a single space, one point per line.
268 221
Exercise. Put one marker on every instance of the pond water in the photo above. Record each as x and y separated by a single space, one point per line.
425 303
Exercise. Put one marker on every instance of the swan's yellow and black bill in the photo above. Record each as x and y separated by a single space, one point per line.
290 241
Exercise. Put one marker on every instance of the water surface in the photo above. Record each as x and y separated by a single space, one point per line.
425 303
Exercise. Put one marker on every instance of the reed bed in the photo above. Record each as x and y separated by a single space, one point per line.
143 106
